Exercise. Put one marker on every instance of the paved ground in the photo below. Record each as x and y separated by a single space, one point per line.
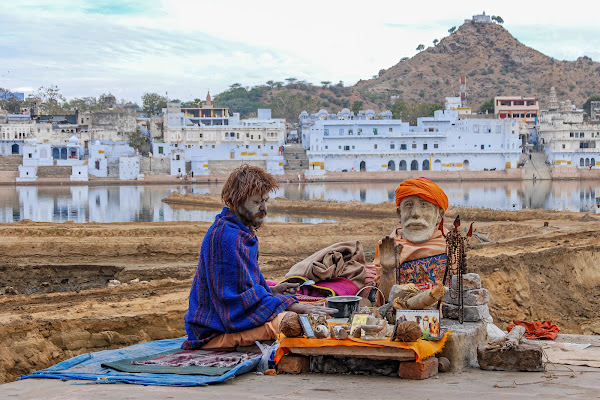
558 382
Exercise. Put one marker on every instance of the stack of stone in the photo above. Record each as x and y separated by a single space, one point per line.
475 300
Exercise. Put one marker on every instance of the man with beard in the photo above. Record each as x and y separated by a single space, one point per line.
230 303
420 205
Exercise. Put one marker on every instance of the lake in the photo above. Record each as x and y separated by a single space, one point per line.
143 203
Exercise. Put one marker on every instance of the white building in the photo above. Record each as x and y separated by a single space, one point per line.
209 145
568 139
441 143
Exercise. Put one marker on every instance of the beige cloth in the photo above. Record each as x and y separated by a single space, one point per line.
344 259
229 341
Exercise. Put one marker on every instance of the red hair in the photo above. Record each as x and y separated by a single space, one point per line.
245 182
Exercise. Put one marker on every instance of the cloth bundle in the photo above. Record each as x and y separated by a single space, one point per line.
537 330
344 260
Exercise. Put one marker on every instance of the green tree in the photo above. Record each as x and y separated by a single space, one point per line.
356 106
499 19
138 141
8 102
411 112
451 30
487 107
420 47
588 103
153 103
289 105
435 42
196 103
325 84
291 80
52 100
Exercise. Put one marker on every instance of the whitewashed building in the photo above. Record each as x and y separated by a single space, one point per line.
568 139
208 144
441 143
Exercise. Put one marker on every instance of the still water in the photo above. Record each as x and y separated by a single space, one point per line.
143 203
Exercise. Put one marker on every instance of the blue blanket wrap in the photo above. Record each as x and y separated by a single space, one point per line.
229 293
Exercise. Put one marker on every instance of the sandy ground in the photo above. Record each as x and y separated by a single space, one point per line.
60 305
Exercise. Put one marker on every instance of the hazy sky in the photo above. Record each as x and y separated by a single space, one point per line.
89 47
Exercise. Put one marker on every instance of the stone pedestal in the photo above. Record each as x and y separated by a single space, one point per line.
461 346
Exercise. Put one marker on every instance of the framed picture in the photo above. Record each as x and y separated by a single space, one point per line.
358 319
428 320
306 326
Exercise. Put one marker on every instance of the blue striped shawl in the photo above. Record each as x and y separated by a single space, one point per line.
229 293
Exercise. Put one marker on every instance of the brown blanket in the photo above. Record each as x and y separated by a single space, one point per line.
345 259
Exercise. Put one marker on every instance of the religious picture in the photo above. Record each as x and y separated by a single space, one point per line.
428 320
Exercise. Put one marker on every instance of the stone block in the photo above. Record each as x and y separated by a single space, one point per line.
471 313
293 364
443 364
526 357
470 281
461 345
418 370
473 297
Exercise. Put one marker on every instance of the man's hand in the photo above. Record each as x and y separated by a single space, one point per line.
285 288
300 308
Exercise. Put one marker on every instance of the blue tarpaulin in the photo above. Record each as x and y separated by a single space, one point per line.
88 367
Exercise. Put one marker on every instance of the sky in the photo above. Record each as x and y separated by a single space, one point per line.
188 47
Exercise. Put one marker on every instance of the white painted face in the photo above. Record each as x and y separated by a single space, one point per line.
254 210
419 218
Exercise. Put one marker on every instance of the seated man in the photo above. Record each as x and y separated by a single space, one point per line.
230 303
420 206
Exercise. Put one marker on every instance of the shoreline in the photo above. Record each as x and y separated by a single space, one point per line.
8 178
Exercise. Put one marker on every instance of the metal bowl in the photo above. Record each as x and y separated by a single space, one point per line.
346 305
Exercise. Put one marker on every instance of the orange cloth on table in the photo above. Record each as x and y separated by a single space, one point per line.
413 251
268 331
423 348
537 329
425 189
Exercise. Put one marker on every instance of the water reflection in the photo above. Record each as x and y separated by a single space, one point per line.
143 203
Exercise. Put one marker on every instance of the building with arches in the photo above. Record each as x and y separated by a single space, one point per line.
442 143
568 137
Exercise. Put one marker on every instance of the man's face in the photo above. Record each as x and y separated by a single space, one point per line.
419 218
254 210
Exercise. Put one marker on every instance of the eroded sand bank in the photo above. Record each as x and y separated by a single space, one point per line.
63 307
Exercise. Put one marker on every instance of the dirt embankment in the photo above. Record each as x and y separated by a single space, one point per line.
60 306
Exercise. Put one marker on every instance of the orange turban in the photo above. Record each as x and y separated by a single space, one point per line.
425 189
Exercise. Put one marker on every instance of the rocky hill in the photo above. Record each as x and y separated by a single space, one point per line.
494 62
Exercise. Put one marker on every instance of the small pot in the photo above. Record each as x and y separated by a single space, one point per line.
346 305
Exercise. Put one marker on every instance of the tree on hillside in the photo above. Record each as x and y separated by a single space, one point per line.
420 47
52 100
435 42
288 105
291 80
587 105
356 106
278 84
270 84
487 107
235 85
498 19
153 103
410 112
325 84
451 30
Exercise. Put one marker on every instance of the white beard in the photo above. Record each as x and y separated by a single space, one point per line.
418 235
